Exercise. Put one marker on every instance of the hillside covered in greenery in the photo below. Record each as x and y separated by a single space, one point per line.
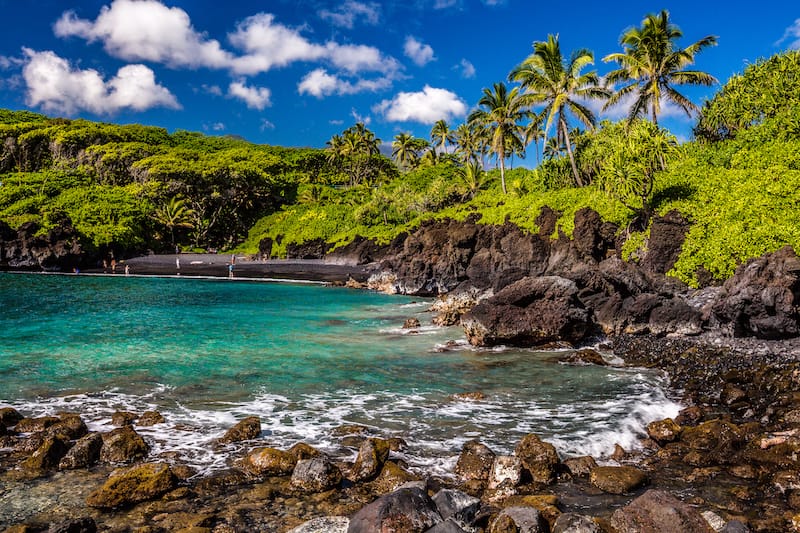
134 188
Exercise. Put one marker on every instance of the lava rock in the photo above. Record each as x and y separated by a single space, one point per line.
316 475
617 479
123 445
246 429
658 512
519 520
539 458
410 510
269 462
85 452
475 461
133 485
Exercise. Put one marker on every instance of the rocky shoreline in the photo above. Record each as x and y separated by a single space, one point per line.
728 462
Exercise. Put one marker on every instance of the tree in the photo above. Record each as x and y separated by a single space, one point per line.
441 135
473 177
652 64
173 214
500 111
547 78
406 149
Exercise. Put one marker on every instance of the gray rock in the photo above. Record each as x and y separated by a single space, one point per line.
734 526
455 504
84 453
325 524
475 461
448 526
406 510
317 474
519 520
656 511
575 523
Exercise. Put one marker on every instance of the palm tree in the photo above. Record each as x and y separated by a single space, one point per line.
652 63
441 135
473 177
547 78
404 150
500 111
533 133
174 214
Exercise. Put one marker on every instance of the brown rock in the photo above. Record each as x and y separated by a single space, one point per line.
301 450
658 512
539 458
518 519
617 479
132 485
246 429
9 417
584 356
84 453
71 426
664 431
349 429
408 510
411 323
47 455
475 461
269 462
372 454
392 476
32 425
316 475
123 418
475 396
580 466
150 418
123 445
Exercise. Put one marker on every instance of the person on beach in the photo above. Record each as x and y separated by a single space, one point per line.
113 266
127 270
230 270
177 263
105 266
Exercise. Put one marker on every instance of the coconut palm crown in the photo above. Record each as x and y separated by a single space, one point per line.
548 78
652 64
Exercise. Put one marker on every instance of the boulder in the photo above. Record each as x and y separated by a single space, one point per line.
519 520
475 461
456 505
448 526
150 418
409 510
269 462
580 466
123 418
667 234
325 524
133 485
32 425
658 512
575 523
529 312
664 431
71 426
411 323
78 525
539 458
246 429
712 442
123 445
9 417
47 455
506 469
617 479
301 450
85 452
761 298
317 474
372 454
392 476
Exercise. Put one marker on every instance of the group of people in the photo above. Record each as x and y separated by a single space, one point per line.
112 263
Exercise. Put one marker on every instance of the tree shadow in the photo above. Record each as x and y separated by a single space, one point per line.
683 191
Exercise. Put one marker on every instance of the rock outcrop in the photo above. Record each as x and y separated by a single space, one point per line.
25 249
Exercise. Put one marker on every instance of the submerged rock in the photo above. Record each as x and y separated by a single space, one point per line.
409 510
246 429
133 485
656 511
150 418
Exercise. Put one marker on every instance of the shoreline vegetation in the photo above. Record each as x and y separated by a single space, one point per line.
681 255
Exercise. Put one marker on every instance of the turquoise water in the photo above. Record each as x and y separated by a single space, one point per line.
305 359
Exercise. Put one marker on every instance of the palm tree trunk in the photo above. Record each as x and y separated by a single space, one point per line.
502 157
655 115
578 180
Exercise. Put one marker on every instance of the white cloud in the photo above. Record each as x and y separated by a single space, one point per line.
266 125
54 85
792 35
254 97
467 69
419 52
426 107
444 4
345 15
212 89
365 119
218 126
146 30
622 108
7 62
320 83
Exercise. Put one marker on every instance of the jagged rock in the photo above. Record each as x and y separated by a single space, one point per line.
325 524
546 504
372 454
762 297
9 417
658 512
391 477
667 235
123 418
301 450
132 485
580 466
409 510
448 526
457 505
575 523
80 525
269 462
584 356
617 479
664 431
47 455
317 474
518 520
529 312
123 445
150 418
449 307
70 426
313 249
411 323
32 425
506 469
539 458
246 429
475 461
712 442
83 453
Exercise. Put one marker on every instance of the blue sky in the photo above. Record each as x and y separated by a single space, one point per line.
294 73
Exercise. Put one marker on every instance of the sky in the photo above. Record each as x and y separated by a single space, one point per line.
296 72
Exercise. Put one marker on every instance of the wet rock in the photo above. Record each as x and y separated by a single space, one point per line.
150 418
71 426
133 485
316 475
575 523
518 520
667 234
658 512
9 417
546 504
617 479
185 522
734 526
349 429
32 425
269 462
47 455
301 450
712 442
450 307
580 466
411 323
123 418
529 312
246 429
372 454
664 431
448 526
505 469
325 524
475 396
761 299
80 525
539 458
123 445
85 452
475 461
584 356
732 394
409 510
391 477
457 505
